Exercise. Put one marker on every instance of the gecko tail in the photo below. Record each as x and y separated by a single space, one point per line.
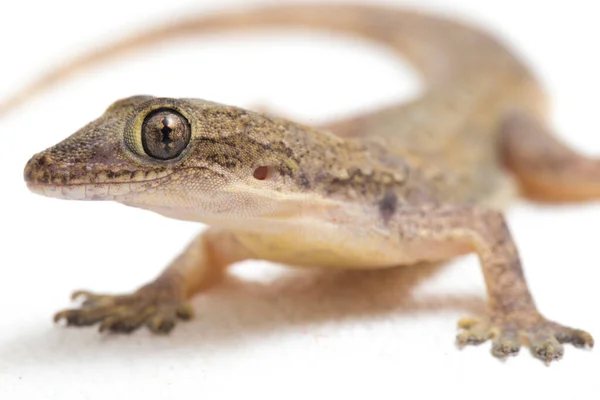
436 46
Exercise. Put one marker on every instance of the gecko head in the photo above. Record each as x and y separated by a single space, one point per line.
183 158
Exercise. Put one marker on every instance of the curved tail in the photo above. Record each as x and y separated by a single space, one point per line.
435 46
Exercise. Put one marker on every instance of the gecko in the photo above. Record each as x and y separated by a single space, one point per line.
421 181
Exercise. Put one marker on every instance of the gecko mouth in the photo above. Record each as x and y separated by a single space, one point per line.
95 191
50 179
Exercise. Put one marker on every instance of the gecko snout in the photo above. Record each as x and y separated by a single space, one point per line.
48 178
39 170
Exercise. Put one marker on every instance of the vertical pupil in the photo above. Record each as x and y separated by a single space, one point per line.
166 131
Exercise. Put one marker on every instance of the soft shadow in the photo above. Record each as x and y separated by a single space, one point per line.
239 312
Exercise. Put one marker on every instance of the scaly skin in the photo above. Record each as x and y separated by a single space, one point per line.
415 182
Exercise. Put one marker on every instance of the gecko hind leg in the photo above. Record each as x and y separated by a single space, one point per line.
164 301
513 319
547 169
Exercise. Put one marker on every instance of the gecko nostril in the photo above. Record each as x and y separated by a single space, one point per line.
43 160
37 169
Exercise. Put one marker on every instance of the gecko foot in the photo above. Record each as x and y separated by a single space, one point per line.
153 305
545 338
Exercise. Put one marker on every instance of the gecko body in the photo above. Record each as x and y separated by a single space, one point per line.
415 182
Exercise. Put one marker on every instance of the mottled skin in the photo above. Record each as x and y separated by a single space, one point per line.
415 182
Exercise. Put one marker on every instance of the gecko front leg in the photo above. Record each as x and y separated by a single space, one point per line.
443 232
162 302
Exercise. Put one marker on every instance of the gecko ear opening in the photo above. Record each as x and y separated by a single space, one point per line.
263 172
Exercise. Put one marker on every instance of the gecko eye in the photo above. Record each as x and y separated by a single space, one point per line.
165 134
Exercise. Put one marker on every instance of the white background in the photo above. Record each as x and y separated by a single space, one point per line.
269 333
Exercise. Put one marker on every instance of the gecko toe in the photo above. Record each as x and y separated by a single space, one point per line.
576 337
546 347
161 324
128 320
116 325
472 332
83 316
74 317
185 311
507 344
